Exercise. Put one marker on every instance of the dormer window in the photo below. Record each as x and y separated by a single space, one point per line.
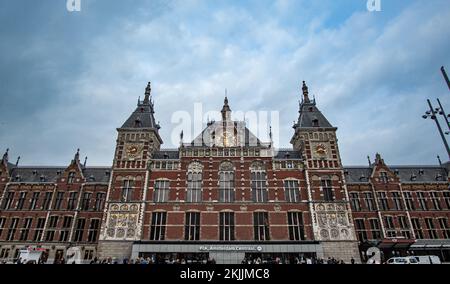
42 178
413 177
315 122
91 178
421 172
438 176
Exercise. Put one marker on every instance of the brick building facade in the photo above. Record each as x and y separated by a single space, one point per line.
225 195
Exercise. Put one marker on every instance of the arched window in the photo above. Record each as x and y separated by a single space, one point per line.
194 182
226 182
259 187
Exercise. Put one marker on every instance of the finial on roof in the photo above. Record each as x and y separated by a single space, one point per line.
5 156
148 91
85 160
77 155
226 111
17 162
270 132
368 159
305 92
439 160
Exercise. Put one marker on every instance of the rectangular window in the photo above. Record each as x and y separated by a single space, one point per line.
12 229
390 228
127 191
361 230
47 200
291 191
79 230
431 230
64 234
71 178
226 228
435 200
375 229
226 186
71 205
93 230
34 201
409 201
8 200
443 224
327 189
86 201
99 201
417 228
52 224
192 226
447 199
39 230
25 229
398 205
404 226
369 202
2 225
194 189
21 201
158 226
382 200
354 201
384 177
58 201
261 226
422 200
295 225
259 187
161 193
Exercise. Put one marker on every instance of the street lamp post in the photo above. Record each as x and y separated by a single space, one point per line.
445 76
432 114
441 111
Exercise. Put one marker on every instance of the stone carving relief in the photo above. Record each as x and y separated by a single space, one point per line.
332 221
122 221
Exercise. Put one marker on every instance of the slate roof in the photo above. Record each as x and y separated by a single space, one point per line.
142 117
249 138
308 113
284 154
407 174
35 174
172 154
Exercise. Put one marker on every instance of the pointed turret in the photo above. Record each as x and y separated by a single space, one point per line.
143 116
226 111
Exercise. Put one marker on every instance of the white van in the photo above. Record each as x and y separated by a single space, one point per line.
428 259
402 260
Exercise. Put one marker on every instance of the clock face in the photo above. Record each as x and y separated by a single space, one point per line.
321 150
133 151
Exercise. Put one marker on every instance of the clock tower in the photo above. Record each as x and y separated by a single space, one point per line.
137 140
315 138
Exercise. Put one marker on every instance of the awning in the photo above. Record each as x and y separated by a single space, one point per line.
431 244
395 243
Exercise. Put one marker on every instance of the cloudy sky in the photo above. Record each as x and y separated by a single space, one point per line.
69 79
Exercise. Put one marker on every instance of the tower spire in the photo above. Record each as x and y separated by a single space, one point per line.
148 91
226 111
305 92
5 156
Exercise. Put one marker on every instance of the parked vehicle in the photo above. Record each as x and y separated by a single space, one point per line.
428 259
402 260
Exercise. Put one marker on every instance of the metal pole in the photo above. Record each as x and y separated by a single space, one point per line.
443 113
445 76
439 128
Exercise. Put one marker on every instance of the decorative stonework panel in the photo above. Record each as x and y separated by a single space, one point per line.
332 222
122 222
